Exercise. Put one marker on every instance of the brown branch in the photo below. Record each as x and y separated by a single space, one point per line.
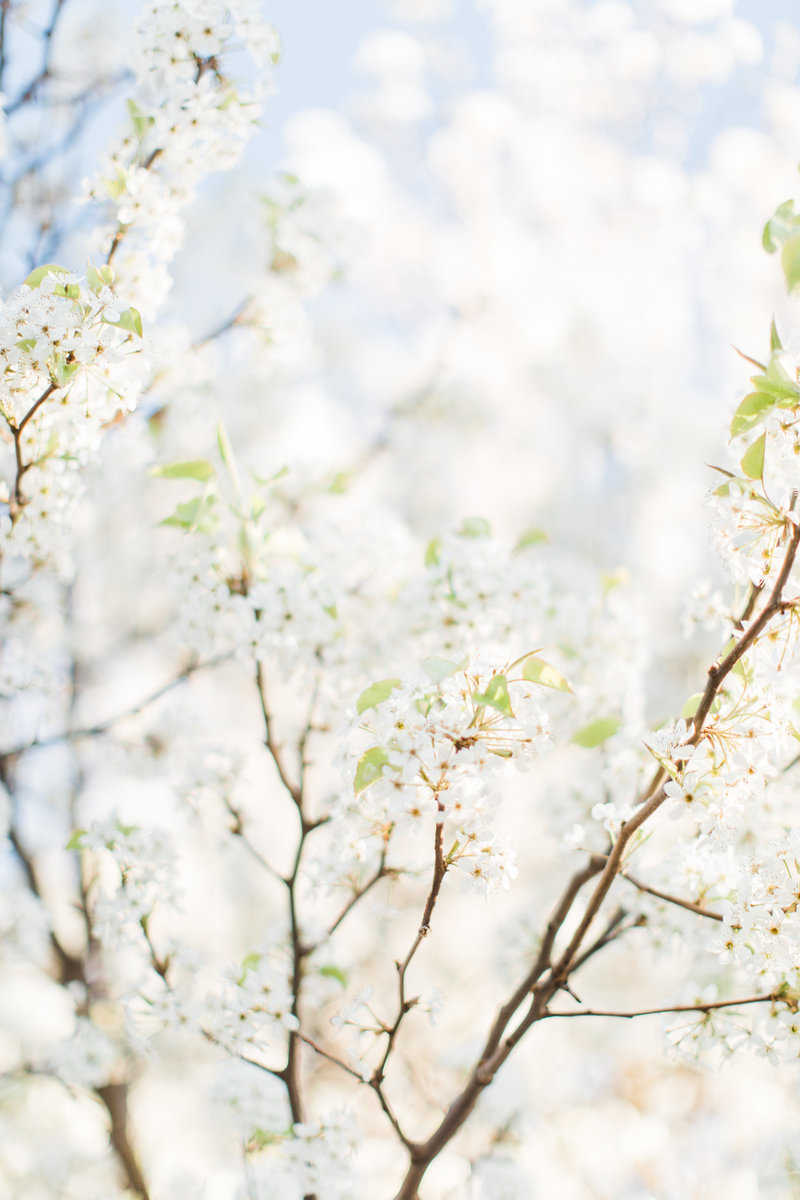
613 930
499 1045
269 741
18 500
42 76
755 591
229 323
238 831
69 735
71 969
689 905
358 893
326 1054
773 997
405 1005
115 1098
718 671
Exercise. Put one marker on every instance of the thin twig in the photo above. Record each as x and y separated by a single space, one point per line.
771 997
84 731
405 1005
358 893
274 750
689 905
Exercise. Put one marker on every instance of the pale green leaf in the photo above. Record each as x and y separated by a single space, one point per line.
329 972
62 372
774 338
35 278
530 537
99 277
370 767
130 319
227 455
76 840
790 261
376 693
475 527
194 514
753 459
596 732
197 468
536 670
433 552
496 696
753 409
691 706
437 668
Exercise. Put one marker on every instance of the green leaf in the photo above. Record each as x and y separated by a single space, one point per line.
376 693
370 767
691 706
340 483
130 320
596 732
753 409
334 973
496 696
62 372
140 121
433 552
753 459
437 668
270 480
99 277
227 456
774 338
76 840
475 527
195 469
530 537
536 670
790 261
194 514
782 383
35 278
779 227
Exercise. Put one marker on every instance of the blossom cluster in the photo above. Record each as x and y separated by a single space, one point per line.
186 120
436 747
68 357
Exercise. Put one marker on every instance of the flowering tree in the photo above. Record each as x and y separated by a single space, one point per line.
319 799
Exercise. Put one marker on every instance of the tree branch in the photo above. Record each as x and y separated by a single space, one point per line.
689 905
771 997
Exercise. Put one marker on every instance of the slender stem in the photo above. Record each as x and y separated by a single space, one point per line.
613 930
17 498
30 90
718 671
5 5
229 323
238 830
84 731
771 997
326 1054
689 905
358 893
404 1005
274 750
